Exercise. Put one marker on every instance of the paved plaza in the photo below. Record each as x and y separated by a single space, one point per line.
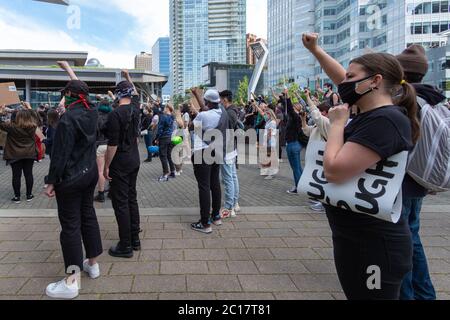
276 249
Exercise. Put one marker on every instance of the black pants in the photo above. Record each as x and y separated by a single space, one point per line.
165 154
359 248
78 220
208 180
25 166
124 201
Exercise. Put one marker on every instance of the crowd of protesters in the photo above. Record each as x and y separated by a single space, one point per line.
95 146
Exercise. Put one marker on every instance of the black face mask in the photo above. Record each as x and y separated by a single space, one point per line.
347 91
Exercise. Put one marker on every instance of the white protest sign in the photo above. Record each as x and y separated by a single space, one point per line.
377 192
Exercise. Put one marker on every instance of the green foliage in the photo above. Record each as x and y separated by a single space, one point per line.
242 93
178 99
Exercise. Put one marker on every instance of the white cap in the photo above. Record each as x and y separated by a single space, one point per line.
212 95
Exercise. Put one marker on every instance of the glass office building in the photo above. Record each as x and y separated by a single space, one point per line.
161 61
203 31
349 28
288 60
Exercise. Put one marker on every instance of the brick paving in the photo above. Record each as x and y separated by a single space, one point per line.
277 249
271 256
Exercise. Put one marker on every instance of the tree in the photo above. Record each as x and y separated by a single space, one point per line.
242 93
178 99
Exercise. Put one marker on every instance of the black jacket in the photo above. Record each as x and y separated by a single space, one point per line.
294 123
74 145
101 128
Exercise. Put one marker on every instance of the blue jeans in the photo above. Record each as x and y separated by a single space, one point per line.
148 138
293 150
417 284
231 183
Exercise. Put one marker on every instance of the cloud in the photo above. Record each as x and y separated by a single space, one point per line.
149 20
150 17
20 32
257 17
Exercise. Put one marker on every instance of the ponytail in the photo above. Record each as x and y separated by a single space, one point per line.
408 100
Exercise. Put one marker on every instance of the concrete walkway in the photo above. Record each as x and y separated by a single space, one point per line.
254 256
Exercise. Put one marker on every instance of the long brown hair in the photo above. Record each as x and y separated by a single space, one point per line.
393 75
25 120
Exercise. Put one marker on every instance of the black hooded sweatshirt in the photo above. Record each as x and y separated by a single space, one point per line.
411 189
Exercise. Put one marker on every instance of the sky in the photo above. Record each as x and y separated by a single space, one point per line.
113 31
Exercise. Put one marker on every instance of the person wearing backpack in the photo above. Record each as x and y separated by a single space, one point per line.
122 166
417 285
207 156
228 168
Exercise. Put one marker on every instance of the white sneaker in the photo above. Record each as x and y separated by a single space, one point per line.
264 172
92 271
318 207
233 213
61 290
270 177
178 173
237 208
227 213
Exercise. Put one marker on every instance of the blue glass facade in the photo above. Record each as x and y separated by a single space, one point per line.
161 62
204 31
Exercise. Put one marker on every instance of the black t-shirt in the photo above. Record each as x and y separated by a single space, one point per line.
294 123
387 131
123 131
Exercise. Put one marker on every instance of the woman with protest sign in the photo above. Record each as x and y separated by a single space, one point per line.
372 255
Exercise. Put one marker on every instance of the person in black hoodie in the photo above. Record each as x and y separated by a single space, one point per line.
72 179
417 285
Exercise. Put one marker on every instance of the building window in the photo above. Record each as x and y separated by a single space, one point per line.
436 7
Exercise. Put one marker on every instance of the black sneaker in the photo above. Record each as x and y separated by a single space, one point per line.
16 200
121 252
136 244
100 197
173 175
293 191
148 160
200 227
30 198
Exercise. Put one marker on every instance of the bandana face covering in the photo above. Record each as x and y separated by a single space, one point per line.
347 91
69 100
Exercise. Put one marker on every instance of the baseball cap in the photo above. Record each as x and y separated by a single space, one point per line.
212 95
77 87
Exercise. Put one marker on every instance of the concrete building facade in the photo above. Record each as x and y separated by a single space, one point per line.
39 80
143 61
